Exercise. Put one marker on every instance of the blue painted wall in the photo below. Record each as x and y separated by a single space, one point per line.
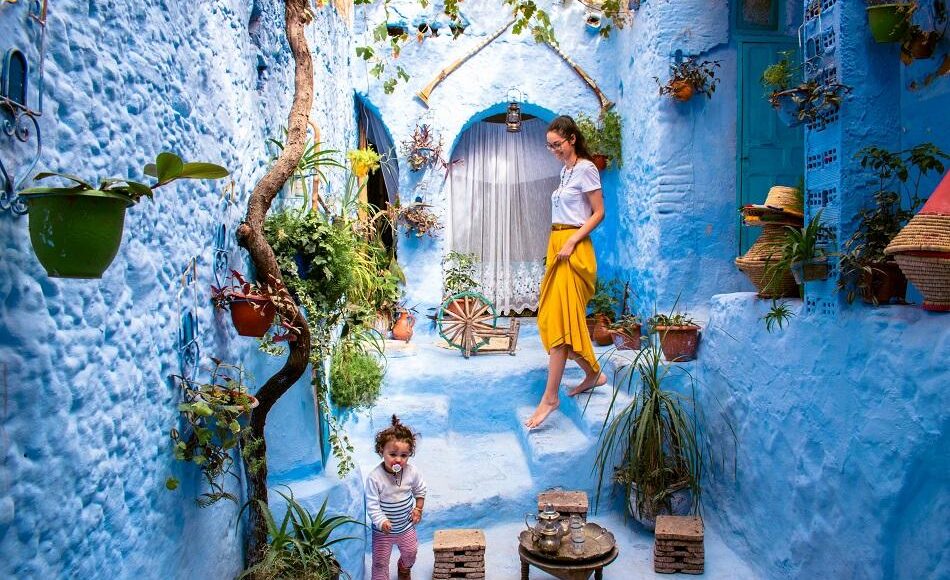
84 364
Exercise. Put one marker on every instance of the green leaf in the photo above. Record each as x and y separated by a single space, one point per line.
41 190
139 189
198 170
364 52
171 483
150 169
169 166
79 180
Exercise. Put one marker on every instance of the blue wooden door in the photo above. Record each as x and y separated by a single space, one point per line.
769 152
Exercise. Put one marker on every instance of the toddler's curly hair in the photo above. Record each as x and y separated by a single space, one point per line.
396 432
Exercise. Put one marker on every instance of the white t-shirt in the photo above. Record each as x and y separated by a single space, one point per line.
570 203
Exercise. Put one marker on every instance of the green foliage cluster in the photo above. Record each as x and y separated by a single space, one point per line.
300 546
458 273
603 136
778 315
356 375
604 301
780 76
656 435
628 324
799 245
895 202
672 319
215 416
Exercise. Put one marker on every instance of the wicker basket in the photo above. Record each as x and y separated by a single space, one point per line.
924 232
767 250
931 275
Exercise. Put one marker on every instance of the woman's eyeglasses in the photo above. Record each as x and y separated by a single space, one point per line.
555 146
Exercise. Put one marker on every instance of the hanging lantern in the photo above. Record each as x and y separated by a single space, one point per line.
513 116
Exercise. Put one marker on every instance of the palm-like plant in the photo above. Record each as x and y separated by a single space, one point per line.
656 436
300 546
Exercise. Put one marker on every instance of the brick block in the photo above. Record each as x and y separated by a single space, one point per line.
686 528
459 540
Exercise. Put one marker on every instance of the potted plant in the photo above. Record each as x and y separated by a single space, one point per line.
808 102
300 546
785 98
76 230
417 217
865 269
917 43
690 77
678 334
215 418
602 309
423 149
803 253
888 20
658 440
356 373
626 332
253 309
603 138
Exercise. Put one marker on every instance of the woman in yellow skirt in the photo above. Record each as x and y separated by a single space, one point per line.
577 207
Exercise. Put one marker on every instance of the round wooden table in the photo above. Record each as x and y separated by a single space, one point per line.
566 570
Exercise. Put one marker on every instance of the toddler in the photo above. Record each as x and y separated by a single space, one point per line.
395 494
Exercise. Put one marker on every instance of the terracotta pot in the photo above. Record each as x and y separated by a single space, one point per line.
597 328
682 90
679 343
922 46
884 283
625 341
252 316
402 328
600 161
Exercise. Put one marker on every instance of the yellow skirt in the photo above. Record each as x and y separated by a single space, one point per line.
565 290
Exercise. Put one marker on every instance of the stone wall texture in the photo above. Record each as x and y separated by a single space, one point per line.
85 364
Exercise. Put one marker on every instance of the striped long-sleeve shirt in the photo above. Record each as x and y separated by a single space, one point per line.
392 498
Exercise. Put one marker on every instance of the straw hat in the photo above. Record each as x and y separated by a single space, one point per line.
780 200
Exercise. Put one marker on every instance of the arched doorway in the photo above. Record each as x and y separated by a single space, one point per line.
499 207
381 186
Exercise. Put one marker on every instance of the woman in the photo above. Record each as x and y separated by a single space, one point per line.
577 207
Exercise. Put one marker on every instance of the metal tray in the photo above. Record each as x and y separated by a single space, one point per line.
598 542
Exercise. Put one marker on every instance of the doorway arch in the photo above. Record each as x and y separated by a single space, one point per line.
499 187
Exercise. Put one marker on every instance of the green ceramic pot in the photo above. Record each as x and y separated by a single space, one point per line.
888 21
76 235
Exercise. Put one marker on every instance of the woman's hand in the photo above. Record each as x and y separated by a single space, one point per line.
386 526
416 516
566 250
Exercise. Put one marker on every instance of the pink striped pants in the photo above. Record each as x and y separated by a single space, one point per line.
383 549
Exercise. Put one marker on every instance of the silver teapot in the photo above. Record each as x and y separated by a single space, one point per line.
546 533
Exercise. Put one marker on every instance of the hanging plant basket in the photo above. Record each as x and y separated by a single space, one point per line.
682 91
810 270
888 21
252 316
788 104
600 161
76 235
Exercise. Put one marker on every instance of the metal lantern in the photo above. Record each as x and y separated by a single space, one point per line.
513 116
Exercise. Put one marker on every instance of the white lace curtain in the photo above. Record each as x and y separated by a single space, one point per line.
500 208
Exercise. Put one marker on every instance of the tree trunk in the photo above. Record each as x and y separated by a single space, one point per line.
250 235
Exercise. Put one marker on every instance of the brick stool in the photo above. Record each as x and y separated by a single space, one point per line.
566 503
459 554
679 545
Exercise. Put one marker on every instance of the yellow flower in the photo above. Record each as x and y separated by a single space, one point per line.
362 161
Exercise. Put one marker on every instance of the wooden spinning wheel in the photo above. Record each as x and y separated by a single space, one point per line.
468 321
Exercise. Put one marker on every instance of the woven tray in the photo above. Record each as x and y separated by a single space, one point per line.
924 232
931 275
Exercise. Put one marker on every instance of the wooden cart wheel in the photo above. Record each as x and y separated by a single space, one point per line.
460 319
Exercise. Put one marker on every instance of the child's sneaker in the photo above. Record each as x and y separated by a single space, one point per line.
403 573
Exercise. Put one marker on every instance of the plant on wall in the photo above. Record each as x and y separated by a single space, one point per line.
603 137
865 268
423 149
690 77
388 41
76 229
356 372
215 418
918 43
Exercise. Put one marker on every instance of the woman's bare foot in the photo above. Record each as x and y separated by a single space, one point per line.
589 382
544 409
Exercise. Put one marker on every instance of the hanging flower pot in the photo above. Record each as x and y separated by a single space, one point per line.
252 316
889 21
787 104
600 161
810 270
76 235
682 90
